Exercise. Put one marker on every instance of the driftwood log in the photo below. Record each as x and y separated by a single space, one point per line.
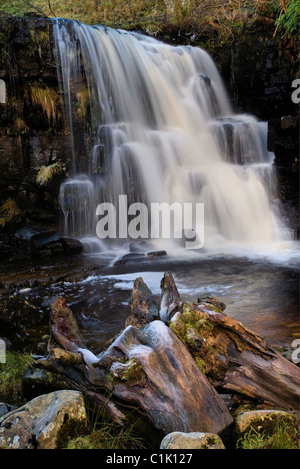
146 370
232 357
169 363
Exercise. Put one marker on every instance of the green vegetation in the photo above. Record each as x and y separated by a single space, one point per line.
99 433
285 436
193 328
9 213
288 22
47 173
227 18
46 98
11 373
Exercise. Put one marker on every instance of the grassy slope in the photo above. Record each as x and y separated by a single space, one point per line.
226 17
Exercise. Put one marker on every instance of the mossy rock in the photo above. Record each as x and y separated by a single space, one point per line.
267 429
263 420
11 374
48 174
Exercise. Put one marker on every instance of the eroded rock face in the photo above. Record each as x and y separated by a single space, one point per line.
36 424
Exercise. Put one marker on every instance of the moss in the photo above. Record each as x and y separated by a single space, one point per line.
108 436
194 329
83 97
283 436
130 372
9 213
72 429
47 173
20 126
39 37
11 374
46 98
201 364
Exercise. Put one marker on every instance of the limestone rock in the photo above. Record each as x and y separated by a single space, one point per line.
193 440
36 424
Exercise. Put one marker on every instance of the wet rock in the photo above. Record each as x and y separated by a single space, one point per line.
40 240
17 313
131 257
155 254
64 329
36 424
143 306
37 381
54 244
5 408
170 297
193 440
71 245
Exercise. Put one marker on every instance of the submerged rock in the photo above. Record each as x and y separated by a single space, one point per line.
193 440
36 424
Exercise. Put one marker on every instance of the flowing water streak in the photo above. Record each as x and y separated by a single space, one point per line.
166 133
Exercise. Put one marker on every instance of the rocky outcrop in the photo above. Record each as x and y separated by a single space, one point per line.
32 128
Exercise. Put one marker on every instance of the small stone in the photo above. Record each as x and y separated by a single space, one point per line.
193 440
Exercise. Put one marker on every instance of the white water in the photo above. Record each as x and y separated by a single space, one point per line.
165 132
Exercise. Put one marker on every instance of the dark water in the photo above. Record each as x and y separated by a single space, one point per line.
262 295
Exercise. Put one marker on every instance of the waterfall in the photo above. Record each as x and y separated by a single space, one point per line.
163 132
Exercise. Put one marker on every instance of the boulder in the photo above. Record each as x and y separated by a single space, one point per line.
263 421
36 424
193 440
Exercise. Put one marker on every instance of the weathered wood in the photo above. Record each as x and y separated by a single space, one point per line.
169 297
234 358
142 305
147 370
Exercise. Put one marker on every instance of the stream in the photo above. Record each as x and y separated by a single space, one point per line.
261 293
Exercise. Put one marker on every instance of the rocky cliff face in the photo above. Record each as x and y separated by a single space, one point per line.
33 133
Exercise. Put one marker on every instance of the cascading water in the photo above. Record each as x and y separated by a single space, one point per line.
165 133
